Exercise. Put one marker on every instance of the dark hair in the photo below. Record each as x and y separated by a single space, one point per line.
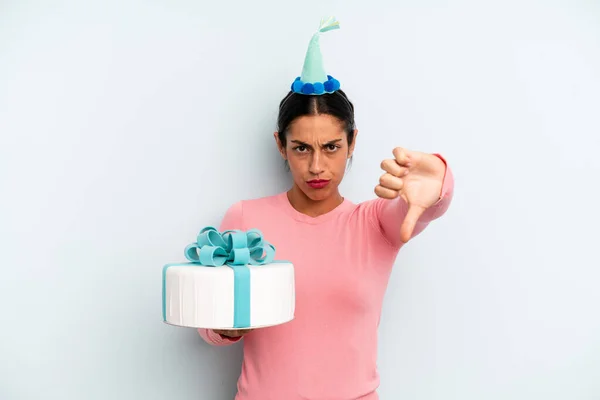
296 105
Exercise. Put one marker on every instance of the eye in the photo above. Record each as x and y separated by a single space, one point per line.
300 148
332 147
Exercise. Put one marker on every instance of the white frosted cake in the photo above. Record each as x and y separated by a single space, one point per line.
232 282
201 297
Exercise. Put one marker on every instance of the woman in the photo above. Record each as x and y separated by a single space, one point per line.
342 252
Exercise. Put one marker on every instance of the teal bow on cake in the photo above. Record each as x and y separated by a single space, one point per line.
235 249
232 247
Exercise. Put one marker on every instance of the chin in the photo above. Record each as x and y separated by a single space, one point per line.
318 194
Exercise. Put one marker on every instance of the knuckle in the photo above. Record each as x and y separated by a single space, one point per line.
382 179
387 165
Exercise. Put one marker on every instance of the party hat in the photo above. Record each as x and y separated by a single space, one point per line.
314 80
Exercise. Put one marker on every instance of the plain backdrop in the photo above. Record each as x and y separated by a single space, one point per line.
126 126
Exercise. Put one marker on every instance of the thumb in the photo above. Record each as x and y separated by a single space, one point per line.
410 221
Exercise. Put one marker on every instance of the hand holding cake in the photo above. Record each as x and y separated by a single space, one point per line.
232 333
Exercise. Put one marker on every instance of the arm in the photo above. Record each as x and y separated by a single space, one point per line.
231 220
390 214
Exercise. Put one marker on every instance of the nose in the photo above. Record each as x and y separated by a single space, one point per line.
316 164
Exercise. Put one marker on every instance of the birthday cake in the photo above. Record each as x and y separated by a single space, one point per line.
232 281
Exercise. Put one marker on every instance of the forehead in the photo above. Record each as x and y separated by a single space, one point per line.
316 129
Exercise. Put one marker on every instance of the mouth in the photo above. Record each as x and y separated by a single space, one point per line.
318 183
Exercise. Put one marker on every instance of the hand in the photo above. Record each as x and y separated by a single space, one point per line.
232 333
417 178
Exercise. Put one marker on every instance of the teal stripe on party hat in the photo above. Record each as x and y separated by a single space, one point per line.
314 78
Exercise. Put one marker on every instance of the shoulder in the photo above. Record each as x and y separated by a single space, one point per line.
257 205
368 208
366 217
262 202
238 212
361 215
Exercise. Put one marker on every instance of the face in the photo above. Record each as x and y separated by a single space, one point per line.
317 151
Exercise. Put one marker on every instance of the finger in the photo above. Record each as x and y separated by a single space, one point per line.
385 193
233 332
401 157
390 181
410 221
392 167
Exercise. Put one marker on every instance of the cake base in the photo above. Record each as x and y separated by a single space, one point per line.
197 296
220 328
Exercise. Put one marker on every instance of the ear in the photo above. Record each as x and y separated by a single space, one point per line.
279 145
351 148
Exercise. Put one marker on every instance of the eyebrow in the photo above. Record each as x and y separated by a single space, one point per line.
308 145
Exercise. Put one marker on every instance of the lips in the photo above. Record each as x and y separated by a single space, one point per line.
318 183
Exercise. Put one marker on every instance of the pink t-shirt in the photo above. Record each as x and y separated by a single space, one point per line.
342 262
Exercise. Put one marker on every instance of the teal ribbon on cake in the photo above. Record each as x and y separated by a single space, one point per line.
235 249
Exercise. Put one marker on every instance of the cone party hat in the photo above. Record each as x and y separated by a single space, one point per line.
314 80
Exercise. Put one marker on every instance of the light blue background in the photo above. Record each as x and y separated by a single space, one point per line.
126 126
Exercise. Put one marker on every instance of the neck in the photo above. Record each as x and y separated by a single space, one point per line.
310 207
